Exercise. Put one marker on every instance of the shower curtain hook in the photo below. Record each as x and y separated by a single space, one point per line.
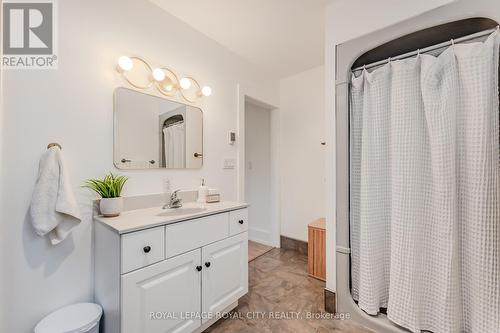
390 59
498 27
452 42
418 52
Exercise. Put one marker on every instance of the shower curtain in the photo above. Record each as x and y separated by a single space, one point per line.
175 146
425 205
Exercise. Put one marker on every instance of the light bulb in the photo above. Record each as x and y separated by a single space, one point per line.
206 91
185 83
169 87
158 74
125 63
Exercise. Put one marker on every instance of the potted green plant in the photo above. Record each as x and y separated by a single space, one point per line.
109 189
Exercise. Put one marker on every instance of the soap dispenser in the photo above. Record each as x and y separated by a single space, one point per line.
202 192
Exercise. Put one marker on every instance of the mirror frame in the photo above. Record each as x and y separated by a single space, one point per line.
160 97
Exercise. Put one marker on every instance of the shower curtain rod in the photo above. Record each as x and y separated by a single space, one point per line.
427 49
173 124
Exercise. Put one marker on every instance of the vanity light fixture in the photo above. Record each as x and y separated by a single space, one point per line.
165 80
206 91
185 83
187 93
158 74
169 84
125 64
125 68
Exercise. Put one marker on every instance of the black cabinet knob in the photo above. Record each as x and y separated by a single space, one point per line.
146 249
207 264
198 268
240 221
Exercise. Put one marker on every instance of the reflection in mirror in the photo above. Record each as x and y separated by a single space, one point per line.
153 132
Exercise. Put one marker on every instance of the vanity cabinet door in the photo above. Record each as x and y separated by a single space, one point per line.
225 272
155 299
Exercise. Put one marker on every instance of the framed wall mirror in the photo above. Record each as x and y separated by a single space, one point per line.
151 132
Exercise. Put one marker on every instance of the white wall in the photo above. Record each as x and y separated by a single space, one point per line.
73 106
302 170
345 20
258 172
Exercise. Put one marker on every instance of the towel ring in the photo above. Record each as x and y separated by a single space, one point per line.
53 144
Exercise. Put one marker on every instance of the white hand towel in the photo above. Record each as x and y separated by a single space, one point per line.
53 209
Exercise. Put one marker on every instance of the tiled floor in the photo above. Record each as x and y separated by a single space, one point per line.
255 250
279 284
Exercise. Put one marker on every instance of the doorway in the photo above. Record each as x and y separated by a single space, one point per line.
258 169
258 176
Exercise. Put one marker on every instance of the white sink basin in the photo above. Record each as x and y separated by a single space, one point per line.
181 211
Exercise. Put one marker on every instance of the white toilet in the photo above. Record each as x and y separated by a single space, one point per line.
76 318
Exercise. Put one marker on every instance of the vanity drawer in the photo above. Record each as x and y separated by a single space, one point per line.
188 235
238 221
142 248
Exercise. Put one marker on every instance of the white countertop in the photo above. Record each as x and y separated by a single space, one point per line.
134 220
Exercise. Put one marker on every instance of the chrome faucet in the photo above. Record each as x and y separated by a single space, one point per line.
174 202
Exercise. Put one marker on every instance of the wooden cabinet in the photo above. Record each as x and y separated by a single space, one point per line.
155 298
225 273
317 249
170 278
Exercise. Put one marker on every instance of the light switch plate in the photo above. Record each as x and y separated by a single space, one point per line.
229 163
231 137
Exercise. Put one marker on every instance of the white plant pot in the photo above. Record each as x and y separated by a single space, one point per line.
111 207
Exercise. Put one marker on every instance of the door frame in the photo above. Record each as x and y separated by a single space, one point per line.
246 94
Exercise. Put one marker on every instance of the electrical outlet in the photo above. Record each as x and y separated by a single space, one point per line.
229 163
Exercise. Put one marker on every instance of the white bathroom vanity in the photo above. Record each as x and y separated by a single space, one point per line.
171 270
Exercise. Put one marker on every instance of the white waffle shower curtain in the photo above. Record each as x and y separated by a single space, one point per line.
425 204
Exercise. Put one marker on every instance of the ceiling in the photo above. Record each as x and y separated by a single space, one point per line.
283 37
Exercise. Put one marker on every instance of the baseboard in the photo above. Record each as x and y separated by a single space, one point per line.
330 301
293 244
260 236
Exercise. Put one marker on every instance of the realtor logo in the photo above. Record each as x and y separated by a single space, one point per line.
29 34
